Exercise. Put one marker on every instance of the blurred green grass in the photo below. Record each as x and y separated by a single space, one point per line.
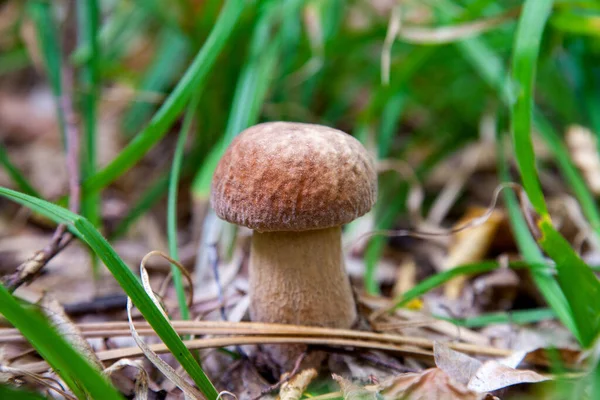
320 62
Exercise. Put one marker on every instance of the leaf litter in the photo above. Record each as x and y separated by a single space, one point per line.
439 370
456 376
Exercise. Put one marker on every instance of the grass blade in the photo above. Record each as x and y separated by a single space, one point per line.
527 45
7 392
167 64
251 90
577 281
440 278
128 281
17 177
172 205
174 104
47 37
527 245
521 317
89 80
71 366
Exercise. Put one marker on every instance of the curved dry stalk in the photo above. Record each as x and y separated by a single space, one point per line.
141 381
188 389
453 33
144 349
180 267
415 233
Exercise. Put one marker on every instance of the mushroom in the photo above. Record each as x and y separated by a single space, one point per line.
295 185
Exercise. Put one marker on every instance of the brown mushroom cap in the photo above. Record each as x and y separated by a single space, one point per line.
284 176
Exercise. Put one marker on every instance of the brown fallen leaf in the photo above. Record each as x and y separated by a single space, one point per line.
406 278
497 289
470 245
458 366
433 383
584 153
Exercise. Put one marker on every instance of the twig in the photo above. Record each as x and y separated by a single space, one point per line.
31 268
373 359
289 376
97 305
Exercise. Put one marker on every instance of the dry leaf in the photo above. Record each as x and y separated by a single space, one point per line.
458 366
56 314
584 153
493 376
484 377
430 384
406 277
496 290
470 245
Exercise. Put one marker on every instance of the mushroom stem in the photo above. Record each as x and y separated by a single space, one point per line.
299 278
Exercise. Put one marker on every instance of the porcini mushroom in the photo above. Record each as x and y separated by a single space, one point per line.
295 185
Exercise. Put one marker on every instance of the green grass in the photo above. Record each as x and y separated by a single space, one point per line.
251 89
573 274
525 54
545 283
89 86
89 82
17 177
128 281
521 317
81 377
49 43
165 69
228 65
172 205
175 102
440 278
7 392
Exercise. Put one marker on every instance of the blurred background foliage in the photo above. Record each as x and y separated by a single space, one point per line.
423 82
413 80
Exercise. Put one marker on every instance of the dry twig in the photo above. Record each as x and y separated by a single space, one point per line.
31 268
